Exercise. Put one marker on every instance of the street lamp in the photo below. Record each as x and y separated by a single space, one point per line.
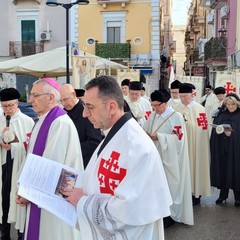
67 6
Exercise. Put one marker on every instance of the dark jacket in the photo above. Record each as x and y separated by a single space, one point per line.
88 135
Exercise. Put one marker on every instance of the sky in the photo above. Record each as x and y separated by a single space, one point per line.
180 10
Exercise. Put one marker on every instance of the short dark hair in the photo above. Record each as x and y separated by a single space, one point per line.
108 88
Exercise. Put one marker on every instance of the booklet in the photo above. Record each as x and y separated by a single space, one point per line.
42 182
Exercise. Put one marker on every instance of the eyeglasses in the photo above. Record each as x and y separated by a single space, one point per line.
8 105
90 107
156 105
36 95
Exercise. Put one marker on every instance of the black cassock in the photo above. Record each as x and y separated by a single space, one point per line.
225 152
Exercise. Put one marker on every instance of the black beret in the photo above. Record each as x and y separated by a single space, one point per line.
234 95
125 82
219 90
161 95
8 94
175 84
186 88
135 85
79 92
208 86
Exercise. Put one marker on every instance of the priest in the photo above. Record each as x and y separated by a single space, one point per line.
54 137
15 128
196 121
166 128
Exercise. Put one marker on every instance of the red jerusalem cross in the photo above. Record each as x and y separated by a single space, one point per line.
202 121
229 88
178 131
147 114
110 174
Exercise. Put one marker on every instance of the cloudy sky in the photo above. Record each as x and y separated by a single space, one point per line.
180 9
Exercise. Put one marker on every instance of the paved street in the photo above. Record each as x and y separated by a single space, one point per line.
212 222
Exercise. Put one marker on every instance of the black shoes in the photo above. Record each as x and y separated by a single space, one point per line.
237 203
168 221
220 200
196 201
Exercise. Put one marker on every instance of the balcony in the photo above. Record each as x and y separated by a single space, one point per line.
217 4
20 49
105 2
205 3
215 49
113 50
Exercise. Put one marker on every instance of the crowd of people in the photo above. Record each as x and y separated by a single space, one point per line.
146 160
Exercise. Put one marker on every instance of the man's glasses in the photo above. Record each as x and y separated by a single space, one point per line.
90 107
8 105
156 105
36 95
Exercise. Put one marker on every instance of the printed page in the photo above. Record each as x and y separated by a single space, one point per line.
42 182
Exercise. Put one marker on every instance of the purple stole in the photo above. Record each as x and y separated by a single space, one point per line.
39 146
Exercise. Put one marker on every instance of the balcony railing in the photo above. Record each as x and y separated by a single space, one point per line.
20 49
217 4
113 50
215 48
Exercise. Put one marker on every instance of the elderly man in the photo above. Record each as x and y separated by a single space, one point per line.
124 192
166 128
198 143
174 89
54 137
89 136
12 153
140 107
220 93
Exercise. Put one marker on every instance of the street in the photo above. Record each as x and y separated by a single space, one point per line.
212 222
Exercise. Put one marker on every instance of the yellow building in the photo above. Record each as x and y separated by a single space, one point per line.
127 31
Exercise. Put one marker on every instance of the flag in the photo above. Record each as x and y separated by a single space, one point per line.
171 75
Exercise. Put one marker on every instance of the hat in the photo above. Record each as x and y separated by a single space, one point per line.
135 85
8 94
186 87
161 95
175 84
125 82
52 82
79 92
208 86
219 90
234 95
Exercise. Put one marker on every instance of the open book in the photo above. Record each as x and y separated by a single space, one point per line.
42 182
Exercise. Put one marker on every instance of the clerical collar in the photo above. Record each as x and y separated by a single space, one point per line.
105 132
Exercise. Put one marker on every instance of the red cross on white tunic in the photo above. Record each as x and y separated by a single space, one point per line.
25 143
147 114
202 121
178 131
229 88
110 174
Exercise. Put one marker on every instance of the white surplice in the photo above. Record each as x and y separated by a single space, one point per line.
141 109
173 148
63 146
22 125
197 127
131 169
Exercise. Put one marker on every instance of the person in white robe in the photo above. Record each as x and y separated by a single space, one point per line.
61 144
174 90
209 101
12 153
140 107
196 121
124 192
166 128
125 87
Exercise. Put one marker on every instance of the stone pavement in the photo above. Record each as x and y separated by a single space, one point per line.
212 222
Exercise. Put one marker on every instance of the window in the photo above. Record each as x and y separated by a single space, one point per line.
113 32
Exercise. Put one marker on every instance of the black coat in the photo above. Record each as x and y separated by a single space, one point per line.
88 135
225 152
